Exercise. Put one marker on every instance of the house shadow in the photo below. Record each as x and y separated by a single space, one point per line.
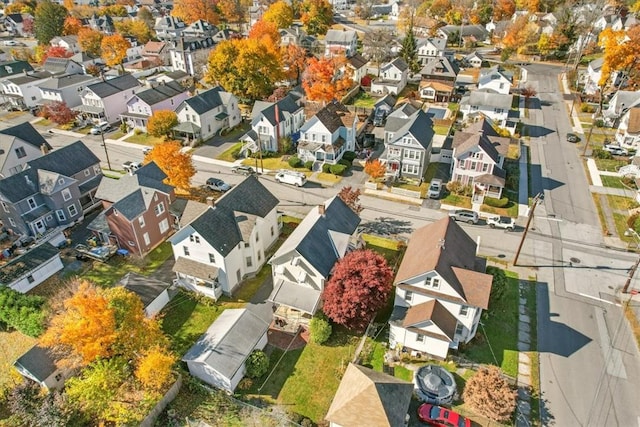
385 226
537 131
540 183
533 103
558 338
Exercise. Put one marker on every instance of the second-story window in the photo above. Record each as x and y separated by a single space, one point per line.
159 209
31 202
20 152
66 194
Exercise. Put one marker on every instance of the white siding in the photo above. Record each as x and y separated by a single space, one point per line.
157 304
39 275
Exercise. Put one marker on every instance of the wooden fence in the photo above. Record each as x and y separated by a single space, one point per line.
150 419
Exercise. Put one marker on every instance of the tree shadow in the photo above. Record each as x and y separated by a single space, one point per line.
385 226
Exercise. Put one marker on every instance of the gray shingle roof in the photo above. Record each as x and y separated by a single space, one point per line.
134 204
330 117
251 197
206 101
228 341
146 288
66 81
420 127
112 86
161 92
26 132
10 68
26 262
288 104
38 362
340 36
488 99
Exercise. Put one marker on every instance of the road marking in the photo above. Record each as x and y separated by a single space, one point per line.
598 299
612 356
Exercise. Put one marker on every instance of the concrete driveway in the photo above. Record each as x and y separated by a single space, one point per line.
217 145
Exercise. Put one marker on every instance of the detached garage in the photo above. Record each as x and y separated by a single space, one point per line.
32 268
154 294
219 355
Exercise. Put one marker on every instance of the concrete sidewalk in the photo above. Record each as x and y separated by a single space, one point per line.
523 187
577 125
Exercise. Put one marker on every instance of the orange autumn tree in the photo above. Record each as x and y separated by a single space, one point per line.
161 122
192 10
85 330
90 41
294 58
504 9
621 53
114 50
177 165
280 13
72 26
266 32
326 79
375 169
154 368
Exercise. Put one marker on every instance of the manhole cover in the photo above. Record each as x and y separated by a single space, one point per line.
501 256
575 260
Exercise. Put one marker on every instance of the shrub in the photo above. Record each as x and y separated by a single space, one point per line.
499 283
24 313
496 203
599 153
236 153
326 168
345 162
320 330
349 155
245 384
586 108
124 128
457 188
257 364
338 169
309 165
295 162
286 145
137 131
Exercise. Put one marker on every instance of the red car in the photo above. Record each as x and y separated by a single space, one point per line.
439 416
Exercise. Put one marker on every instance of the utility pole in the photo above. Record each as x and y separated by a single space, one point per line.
106 153
536 200
593 124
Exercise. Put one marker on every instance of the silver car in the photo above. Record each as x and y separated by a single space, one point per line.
464 215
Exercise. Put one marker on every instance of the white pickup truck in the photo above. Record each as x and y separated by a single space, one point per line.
505 222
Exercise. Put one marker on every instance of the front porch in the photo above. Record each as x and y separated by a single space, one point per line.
290 320
198 277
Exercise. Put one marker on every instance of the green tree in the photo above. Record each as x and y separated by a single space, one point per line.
23 312
409 50
316 16
49 21
320 330
257 364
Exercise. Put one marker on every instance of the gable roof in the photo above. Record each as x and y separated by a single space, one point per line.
109 87
492 145
478 31
208 100
57 65
434 311
420 126
397 63
331 116
433 66
288 104
634 120
27 133
313 238
357 61
383 398
10 68
160 92
455 261
488 99
60 82
26 262
146 288
340 36
439 43
38 362
388 100
228 341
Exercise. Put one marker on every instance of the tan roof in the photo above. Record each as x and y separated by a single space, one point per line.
439 86
192 211
634 120
434 311
441 246
382 399
195 268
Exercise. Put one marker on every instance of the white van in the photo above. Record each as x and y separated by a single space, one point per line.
435 188
291 177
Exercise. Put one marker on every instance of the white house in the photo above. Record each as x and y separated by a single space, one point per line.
338 42
272 121
65 88
70 43
478 160
358 65
393 78
430 48
218 357
200 28
302 265
628 134
474 59
169 27
408 150
19 145
327 135
153 293
495 80
441 290
107 99
14 22
619 104
39 365
61 66
28 270
142 105
22 91
496 106
218 245
207 113
398 118
190 54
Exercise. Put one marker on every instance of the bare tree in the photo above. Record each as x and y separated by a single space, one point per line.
376 46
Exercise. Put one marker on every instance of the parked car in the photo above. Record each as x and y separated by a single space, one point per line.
244 170
100 128
12 43
379 118
572 137
616 150
464 215
438 416
435 188
216 184
505 222
146 150
291 177
131 167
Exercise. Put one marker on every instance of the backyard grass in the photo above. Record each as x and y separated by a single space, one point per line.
184 319
431 171
363 99
382 242
106 274
612 181
145 139
403 373
12 344
499 335
227 155
441 130
305 380
621 202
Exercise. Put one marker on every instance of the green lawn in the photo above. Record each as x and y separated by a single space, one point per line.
611 181
106 274
306 380
499 336
117 134
610 165
227 155
145 139
441 130
456 200
363 99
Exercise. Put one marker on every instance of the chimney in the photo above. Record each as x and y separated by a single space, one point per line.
29 182
321 210
44 149
211 201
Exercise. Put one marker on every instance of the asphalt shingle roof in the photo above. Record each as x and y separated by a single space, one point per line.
109 87
10 68
161 92
23 264
420 126
205 101
26 132
38 362
146 288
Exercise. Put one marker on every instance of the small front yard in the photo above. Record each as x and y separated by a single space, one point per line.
363 99
610 165
612 181
145 139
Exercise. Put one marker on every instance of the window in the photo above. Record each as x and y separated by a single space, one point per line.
96 169
499 110
194 238
485 167
66 194
5 207
259 256
419 338
73 211
12 222
464 311
20 152
164 225
408 296
48 218
271 231
147 240
159 209
249 263
435 282
60 215
32 203
257 237
87 172
212 258
459 329
141 221
185 249
30 279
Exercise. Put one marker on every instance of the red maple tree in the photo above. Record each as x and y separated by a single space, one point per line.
59 112
360 286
